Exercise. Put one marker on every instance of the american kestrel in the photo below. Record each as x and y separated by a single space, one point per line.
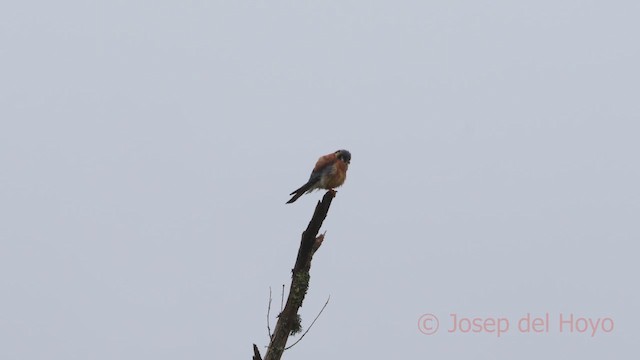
330 172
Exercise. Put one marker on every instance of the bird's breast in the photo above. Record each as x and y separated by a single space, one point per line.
335 177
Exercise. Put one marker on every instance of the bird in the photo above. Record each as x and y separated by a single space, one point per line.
330 172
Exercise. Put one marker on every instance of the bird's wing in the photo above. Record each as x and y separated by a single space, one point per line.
303 189
324 162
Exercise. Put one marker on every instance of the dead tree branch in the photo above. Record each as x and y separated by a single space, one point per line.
289 320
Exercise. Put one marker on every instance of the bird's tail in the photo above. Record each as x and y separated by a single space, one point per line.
299 192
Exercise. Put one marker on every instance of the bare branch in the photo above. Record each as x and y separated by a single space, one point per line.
309 328
268 313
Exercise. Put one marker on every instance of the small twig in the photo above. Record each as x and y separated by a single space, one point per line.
268 313
309 328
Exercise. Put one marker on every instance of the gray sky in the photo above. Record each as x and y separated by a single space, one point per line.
147 149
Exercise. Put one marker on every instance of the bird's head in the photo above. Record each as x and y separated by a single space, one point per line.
344 155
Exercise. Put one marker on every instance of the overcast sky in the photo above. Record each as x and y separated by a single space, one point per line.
147 149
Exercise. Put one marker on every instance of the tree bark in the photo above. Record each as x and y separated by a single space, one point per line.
288 320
